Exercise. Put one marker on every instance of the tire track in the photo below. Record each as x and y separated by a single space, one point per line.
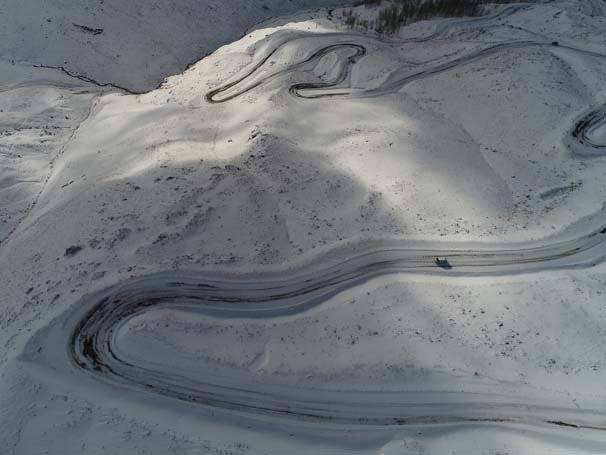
441 30
581 137
85 338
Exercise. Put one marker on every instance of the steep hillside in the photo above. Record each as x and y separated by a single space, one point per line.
317 239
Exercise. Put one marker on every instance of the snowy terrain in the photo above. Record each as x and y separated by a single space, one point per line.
133 44
242 259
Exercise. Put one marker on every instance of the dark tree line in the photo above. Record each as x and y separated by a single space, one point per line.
407 11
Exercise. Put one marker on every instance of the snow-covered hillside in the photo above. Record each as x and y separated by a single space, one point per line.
243 259
133 44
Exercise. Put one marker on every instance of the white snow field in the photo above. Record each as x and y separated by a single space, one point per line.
243 260
133 44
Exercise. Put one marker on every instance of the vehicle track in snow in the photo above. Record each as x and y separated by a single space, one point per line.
359 50
582 139
440 31
394 82
87 334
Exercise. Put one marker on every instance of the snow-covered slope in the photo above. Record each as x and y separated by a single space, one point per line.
134 44
299 183
41 108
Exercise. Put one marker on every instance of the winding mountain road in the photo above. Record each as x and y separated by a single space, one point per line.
87 333
394 82
246 82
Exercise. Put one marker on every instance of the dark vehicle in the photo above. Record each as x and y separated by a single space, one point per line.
555 43
442 262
